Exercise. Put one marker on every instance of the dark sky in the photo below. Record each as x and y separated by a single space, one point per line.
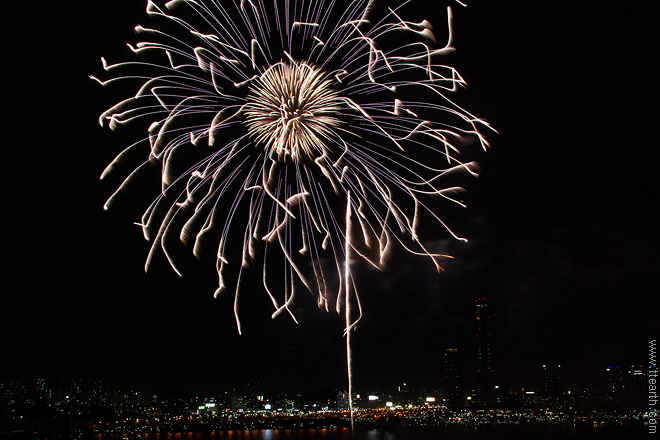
562 223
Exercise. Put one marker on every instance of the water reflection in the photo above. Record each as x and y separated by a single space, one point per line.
379 434
545 432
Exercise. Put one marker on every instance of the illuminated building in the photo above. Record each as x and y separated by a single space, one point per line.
484 377
626 387
403 395
342 400
238 403
552 390
69 390
452 379
614 375
551 380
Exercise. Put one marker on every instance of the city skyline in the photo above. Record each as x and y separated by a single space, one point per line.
620 387
93 407
464 376
562 235
624 393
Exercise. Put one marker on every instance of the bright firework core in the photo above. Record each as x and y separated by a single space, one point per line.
291 111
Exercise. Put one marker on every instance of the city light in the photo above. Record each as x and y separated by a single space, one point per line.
135 413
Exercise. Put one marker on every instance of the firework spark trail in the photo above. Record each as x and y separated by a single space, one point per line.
301 111
347 306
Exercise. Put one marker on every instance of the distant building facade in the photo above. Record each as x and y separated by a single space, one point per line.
552 387
626 387
452 379
484 381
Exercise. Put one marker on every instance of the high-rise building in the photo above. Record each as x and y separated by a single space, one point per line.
615 387
637 387
403 395
552 390
484 377
342 401
625 387
552 380
237 403
452 376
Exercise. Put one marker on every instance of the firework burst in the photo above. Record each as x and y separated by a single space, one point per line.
325 131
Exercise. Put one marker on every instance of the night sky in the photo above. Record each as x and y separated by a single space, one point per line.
562 223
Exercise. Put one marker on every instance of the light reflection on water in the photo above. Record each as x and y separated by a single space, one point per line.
256 434
376 434
279 434
488 433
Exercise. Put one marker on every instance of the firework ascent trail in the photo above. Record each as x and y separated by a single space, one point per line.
320 129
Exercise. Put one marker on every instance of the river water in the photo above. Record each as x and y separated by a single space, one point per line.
498 432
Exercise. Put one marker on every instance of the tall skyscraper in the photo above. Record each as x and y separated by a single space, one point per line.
626 387
452 376
552 380
615 383
484 377
552 390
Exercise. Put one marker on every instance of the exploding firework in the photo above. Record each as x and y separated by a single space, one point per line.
321 130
